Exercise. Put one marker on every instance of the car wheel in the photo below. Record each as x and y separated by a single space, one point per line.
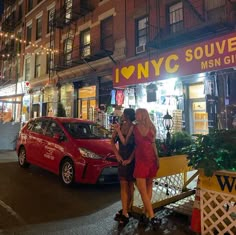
67 172
22 158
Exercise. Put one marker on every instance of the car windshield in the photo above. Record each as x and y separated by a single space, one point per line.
82 130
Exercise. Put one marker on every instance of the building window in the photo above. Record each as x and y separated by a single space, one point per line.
38 28
50 20
176 17
68 51
18 43
20 12
85 46
68 9
48 63
30 5
215 9
27 69
28 34
142 31
141 34
107 34
37 65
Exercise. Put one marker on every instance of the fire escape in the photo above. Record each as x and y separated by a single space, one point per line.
191 22
9 47
73 53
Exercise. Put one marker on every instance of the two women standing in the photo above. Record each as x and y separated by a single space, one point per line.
146 158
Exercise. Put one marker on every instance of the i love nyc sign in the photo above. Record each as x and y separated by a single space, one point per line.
216 54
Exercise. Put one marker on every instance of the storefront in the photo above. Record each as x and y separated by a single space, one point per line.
190 83
10 104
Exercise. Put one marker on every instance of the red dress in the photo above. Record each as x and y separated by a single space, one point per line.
145 157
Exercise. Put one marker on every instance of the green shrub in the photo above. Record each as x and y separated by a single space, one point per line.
214 151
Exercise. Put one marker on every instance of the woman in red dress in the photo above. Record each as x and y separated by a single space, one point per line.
146 159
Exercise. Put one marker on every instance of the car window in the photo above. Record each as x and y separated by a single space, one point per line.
54 128
30 125
39 126
80 130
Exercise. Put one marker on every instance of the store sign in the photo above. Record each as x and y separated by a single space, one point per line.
8 90
216 54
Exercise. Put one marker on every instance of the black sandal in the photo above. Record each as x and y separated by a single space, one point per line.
123 221
143 221
118 215
155 223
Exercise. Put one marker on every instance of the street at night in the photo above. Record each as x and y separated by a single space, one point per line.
33 201
117 117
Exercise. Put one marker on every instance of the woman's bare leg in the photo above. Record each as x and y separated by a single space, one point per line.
142 187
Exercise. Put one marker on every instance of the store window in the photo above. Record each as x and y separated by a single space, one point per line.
176 17
28 34
141 34
85 46
38 28
107 34
37 65
66 97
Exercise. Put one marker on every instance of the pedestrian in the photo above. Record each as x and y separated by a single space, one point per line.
125 157
146 161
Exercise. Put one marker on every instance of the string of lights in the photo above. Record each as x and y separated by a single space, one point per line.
23 54
34 45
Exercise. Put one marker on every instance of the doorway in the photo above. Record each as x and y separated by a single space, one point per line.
87 102
86 108
198 115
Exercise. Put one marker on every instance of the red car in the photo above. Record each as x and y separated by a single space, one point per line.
76 150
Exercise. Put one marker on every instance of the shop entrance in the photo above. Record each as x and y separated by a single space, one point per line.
87 102
197 108
86 108
199 123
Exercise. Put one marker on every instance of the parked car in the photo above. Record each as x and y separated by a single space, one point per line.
75 149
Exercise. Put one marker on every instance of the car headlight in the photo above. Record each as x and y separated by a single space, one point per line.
89 154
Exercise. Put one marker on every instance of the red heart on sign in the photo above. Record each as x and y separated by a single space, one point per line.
27 83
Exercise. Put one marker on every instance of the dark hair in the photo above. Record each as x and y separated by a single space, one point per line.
130 114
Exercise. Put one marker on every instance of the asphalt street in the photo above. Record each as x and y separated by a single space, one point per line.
98 221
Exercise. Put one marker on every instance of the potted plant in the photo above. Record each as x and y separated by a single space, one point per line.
178 141
212 152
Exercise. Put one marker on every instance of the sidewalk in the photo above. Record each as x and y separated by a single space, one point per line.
8 156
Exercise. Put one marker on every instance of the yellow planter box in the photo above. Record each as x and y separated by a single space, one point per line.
218 202
172 165
221 181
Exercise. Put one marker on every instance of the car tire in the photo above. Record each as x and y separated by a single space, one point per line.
22 158
67 172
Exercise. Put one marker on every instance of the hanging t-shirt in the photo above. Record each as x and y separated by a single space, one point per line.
119 97
131 96
126 97
151 92
113 97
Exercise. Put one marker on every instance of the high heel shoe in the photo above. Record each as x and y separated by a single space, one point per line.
155 223
123 221
118 215
143 221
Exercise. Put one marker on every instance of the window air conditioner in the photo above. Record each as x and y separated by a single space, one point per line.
140 49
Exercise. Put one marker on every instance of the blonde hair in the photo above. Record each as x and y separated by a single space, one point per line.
145 119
